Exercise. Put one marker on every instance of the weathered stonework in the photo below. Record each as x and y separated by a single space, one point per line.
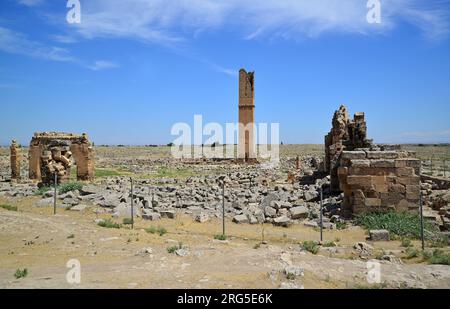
346 134
379 180
246 142
52 152
16 158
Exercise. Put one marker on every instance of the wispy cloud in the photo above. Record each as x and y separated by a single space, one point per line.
172 22
17 43
65 39
103 65
31 2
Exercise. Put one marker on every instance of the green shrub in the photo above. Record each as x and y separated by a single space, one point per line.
71 186
21 273
9 207
42 190
412 253
109 224
329 244
440 242
153 230
340 225
311 246
406 243
437 257
401 224
71 236
127 221
220 237
175 248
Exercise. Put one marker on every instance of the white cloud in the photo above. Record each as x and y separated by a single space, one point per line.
17 43
64 39
31 2
171 22
103 65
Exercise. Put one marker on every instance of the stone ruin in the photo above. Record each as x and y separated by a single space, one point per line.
346 134
16 158
246 143
372 178
52 153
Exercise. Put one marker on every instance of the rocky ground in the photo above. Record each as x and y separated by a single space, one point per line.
267 217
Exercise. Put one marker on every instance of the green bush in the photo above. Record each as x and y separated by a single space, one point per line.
153 230
341 225
9 207
220 237
41 190
109 224
412 253
72 186
21 273
127 221
329 244
401 224
175 248
437 257
406 243
311 246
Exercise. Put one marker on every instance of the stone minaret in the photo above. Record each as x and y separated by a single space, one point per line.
246 115
16 157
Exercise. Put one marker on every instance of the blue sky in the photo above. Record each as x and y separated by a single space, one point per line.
132 69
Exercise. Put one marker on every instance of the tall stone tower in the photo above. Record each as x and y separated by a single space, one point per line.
246 143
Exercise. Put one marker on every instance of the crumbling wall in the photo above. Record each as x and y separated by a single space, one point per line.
345 134
52 152
83 153
16 158
56 159
379 180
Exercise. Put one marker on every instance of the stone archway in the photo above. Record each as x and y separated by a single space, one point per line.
55 152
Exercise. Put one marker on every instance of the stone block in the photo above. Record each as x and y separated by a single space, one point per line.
379 235
382 163
382 155
360 163
372 202
352 155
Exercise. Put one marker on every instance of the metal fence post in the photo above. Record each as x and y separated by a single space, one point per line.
321 214
223 207
431 165
55 192
445 168
421 221
132 204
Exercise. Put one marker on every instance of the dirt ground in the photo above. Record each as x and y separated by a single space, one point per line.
35 239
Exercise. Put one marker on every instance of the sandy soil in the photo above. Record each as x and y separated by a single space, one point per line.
35 239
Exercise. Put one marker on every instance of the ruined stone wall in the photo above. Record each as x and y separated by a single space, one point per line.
379 180
83 153
52 152
16 158
246 115
345 134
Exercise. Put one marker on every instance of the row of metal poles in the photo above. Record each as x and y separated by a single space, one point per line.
223 209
